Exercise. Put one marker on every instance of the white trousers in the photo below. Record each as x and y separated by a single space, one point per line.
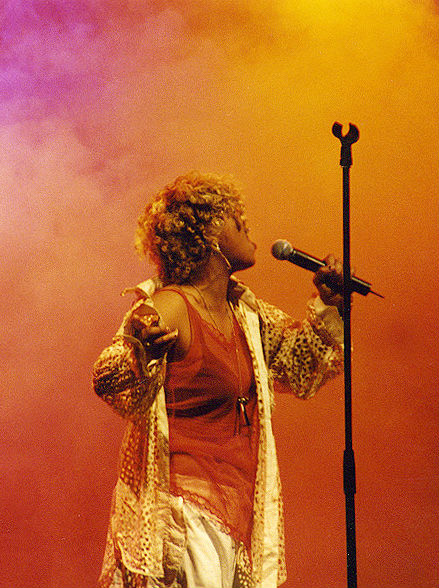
210 557
209 560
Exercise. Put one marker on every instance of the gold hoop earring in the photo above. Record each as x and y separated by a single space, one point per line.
216 248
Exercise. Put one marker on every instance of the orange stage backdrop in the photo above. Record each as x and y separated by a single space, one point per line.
102 102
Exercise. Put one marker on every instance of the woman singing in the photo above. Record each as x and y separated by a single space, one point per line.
198 499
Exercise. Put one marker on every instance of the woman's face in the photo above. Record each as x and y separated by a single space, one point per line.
236 245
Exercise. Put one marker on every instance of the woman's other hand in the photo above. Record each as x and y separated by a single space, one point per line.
146 326
329 282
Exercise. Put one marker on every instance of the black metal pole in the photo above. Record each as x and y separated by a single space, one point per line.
349 485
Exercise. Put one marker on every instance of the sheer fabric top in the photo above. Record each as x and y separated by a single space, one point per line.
213 425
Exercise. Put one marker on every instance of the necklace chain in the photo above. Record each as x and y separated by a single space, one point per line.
208 311
241 401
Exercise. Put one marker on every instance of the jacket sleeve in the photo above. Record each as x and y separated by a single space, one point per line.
124 378
304 354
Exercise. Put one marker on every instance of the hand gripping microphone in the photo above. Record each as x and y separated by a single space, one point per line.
284 251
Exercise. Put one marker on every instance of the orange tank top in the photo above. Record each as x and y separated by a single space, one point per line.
213 441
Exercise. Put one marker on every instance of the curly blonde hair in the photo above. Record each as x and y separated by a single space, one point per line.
180 225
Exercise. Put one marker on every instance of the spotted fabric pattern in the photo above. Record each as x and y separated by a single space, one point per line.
303 354
146 536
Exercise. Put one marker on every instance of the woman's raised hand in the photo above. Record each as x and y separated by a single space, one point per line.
146 326
329 282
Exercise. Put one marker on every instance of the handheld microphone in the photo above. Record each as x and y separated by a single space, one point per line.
284 251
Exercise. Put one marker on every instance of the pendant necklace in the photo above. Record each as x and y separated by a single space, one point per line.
242 400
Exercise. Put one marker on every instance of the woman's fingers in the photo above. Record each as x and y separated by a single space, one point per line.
329 281
167 339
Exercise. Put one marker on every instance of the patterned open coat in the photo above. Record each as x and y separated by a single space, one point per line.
146 536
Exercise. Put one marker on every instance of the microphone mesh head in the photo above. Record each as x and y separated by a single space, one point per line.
281 249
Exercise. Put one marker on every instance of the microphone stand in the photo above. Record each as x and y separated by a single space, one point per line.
349 485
